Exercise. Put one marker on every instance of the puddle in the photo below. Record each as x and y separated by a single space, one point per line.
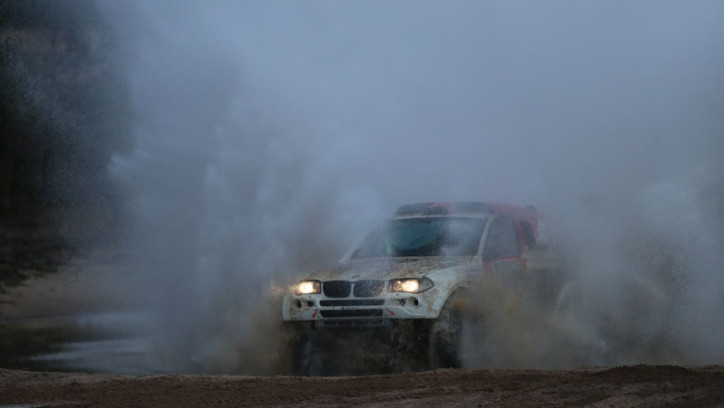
104 342
119 356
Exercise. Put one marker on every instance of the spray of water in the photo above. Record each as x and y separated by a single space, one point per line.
268 136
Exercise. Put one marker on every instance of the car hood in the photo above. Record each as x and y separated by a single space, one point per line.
388 268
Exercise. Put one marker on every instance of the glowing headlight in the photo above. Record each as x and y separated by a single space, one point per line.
410 285
308 287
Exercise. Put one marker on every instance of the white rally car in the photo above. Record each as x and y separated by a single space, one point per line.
408 274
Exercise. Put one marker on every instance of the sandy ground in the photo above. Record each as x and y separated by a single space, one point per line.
76 290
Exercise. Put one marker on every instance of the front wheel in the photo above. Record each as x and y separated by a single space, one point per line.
446 334
303 354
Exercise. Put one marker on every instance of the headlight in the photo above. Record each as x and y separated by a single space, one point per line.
309 287
410 285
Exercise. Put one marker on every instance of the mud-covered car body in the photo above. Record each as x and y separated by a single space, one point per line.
412 264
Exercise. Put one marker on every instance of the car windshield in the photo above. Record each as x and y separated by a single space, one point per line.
432 236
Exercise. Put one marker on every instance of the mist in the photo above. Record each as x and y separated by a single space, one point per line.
269 136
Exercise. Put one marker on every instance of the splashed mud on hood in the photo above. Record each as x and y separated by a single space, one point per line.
391 268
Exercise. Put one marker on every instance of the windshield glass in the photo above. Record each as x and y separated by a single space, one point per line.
437 236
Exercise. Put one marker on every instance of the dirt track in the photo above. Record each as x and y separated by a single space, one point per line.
638 386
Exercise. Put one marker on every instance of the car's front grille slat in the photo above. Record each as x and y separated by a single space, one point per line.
352 302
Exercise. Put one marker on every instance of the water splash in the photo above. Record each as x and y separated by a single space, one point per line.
268 137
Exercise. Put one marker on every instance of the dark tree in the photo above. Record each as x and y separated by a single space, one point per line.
64 111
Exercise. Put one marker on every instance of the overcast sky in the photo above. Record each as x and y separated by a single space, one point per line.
497 101
506 101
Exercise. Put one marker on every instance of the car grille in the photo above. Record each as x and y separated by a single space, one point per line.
352 302
368 288
355 292
337 289
342 289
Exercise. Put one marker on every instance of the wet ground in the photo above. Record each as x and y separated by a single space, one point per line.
103 360
638 386
66 341
84 318
105 342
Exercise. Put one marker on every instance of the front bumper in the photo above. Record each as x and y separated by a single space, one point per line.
366 311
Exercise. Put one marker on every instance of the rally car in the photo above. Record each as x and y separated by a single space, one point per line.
411 273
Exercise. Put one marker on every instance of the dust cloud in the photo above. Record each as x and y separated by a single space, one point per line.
271 135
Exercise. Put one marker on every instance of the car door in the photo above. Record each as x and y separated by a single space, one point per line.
502 250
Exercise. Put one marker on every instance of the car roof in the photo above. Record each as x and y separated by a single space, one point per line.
470 208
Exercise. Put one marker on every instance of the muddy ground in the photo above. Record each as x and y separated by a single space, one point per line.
74 289
637 386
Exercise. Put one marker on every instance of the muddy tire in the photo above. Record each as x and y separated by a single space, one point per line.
305 360
410 346
446 334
